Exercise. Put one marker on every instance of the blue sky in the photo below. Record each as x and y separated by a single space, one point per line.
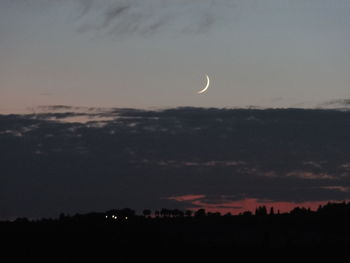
154 53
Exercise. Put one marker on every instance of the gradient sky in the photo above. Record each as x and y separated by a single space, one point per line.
155 53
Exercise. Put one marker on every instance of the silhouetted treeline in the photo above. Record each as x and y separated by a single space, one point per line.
301 227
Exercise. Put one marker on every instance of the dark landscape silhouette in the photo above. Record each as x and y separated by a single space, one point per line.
187 159
301 227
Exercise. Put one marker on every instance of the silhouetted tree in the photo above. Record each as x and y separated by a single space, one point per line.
335 209
124 213
261 211
299 211
164 212
200 213
22 220
61 217
247 213
272 212
147 212
127 212
216 214
177 213
188 213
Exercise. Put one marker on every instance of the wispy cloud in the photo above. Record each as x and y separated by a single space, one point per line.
344 189
147 17
186 197
337 103
309 175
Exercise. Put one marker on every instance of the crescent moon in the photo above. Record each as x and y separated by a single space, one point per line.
206 87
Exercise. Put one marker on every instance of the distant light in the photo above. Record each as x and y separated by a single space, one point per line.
106 216
126 218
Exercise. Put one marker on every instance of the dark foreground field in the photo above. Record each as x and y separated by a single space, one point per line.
327 227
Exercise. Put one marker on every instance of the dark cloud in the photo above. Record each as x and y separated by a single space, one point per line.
140 158
136 17
121 17
113 13
86 6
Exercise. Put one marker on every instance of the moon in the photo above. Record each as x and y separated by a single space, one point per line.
206 87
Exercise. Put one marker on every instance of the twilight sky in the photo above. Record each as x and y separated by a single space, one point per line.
155 53
85 65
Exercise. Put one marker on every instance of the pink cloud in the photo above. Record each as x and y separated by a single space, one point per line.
309 175
247 204
186 197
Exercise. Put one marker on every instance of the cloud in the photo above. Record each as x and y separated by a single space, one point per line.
135 17
186 197
147 17
337 103
310 175
86 6
114 12
144 159
337 188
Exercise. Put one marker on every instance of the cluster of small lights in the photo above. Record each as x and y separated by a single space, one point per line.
115 217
